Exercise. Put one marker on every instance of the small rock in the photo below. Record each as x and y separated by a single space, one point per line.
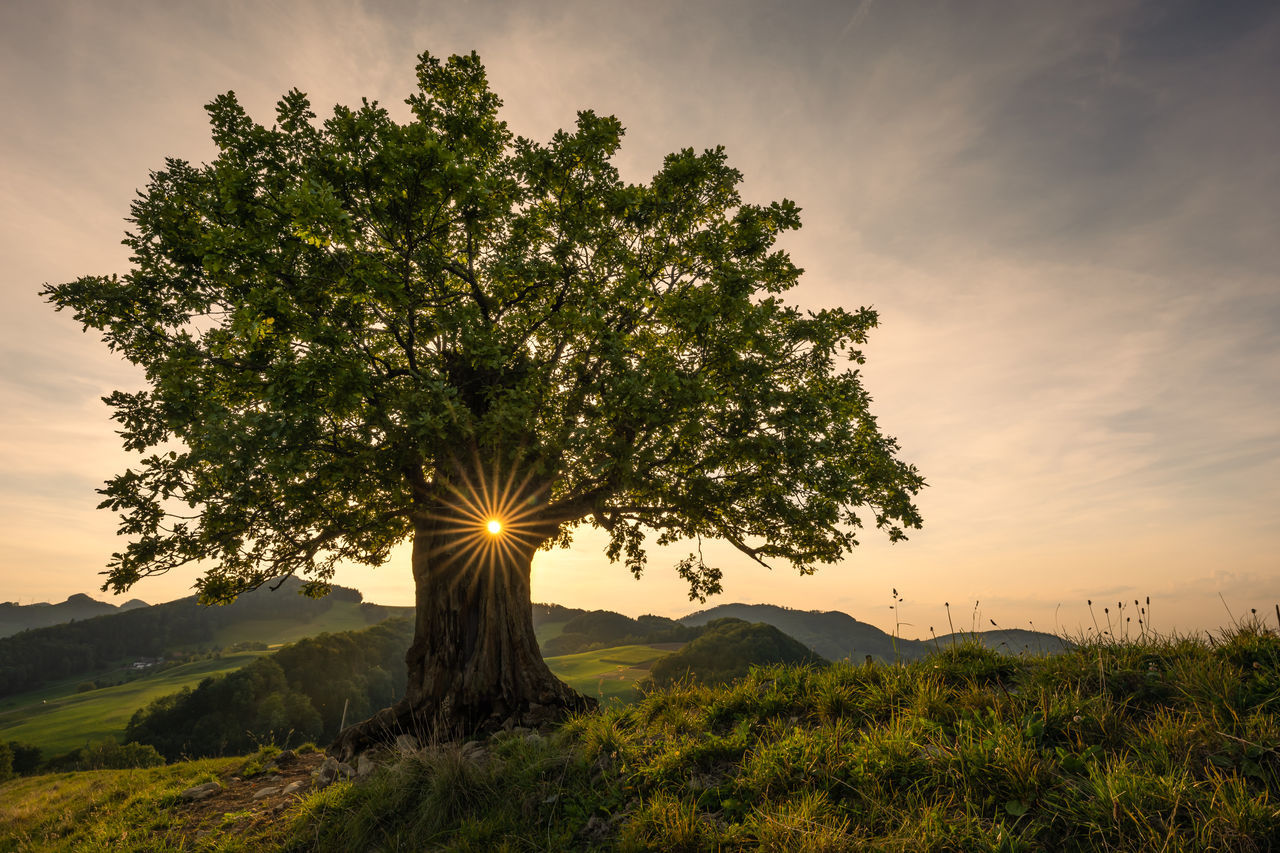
346 771
596 830
475 753
365 765
294 787
200 792
263 793
327 771
407 743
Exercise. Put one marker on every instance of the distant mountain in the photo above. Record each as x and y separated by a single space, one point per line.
836 635
16 617
87 645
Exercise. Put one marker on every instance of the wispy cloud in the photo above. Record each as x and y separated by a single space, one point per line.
1064 212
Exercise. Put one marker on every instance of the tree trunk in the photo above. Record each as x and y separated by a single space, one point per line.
474 666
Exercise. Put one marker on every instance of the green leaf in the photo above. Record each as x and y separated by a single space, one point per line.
1017 808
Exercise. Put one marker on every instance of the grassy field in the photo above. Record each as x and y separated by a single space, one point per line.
127 810
610 674
549 630
58 719
343 616
1168 744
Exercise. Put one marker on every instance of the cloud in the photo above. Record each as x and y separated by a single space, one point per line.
1064 214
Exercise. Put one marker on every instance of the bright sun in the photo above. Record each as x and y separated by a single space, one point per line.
494 526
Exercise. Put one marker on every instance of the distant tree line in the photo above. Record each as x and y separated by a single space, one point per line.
34 657
297 694
18 759
597 629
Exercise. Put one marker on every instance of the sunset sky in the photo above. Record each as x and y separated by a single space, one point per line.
1066 214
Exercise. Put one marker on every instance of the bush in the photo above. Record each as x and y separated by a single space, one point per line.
106 754
26 758
109 755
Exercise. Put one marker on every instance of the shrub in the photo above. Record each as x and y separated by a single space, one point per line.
109 755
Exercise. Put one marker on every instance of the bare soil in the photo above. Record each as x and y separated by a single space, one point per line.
236 807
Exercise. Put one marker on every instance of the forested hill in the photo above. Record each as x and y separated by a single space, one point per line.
16 617
304 691
34 657
836 635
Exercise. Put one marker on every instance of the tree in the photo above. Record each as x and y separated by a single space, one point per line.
361 330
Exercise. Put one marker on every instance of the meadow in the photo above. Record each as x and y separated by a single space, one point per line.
57 718
611 674
1155 744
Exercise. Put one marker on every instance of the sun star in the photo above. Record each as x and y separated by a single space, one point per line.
494 526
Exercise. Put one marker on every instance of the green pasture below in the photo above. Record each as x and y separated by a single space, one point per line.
58 719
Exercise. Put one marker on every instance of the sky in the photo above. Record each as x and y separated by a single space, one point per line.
1066 214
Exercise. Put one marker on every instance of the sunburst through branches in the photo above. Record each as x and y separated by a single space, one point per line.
490 522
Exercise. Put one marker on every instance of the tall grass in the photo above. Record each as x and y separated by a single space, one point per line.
1142 744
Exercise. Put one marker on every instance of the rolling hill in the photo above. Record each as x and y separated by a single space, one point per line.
836 635
16 617
90 647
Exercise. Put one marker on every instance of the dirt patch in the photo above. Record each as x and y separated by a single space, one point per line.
249 796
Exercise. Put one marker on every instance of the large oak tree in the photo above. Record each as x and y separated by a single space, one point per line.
362 330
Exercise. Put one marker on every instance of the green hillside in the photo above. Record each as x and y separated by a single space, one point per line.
727 650
88 648
611 674
342 616
1159 745
58 719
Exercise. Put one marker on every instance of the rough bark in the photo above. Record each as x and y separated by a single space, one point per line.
474 666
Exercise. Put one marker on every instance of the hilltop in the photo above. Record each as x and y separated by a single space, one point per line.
838 636
1161 744
16 617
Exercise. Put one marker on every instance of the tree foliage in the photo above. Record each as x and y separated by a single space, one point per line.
337 318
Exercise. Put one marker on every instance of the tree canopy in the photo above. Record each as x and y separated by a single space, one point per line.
342 322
